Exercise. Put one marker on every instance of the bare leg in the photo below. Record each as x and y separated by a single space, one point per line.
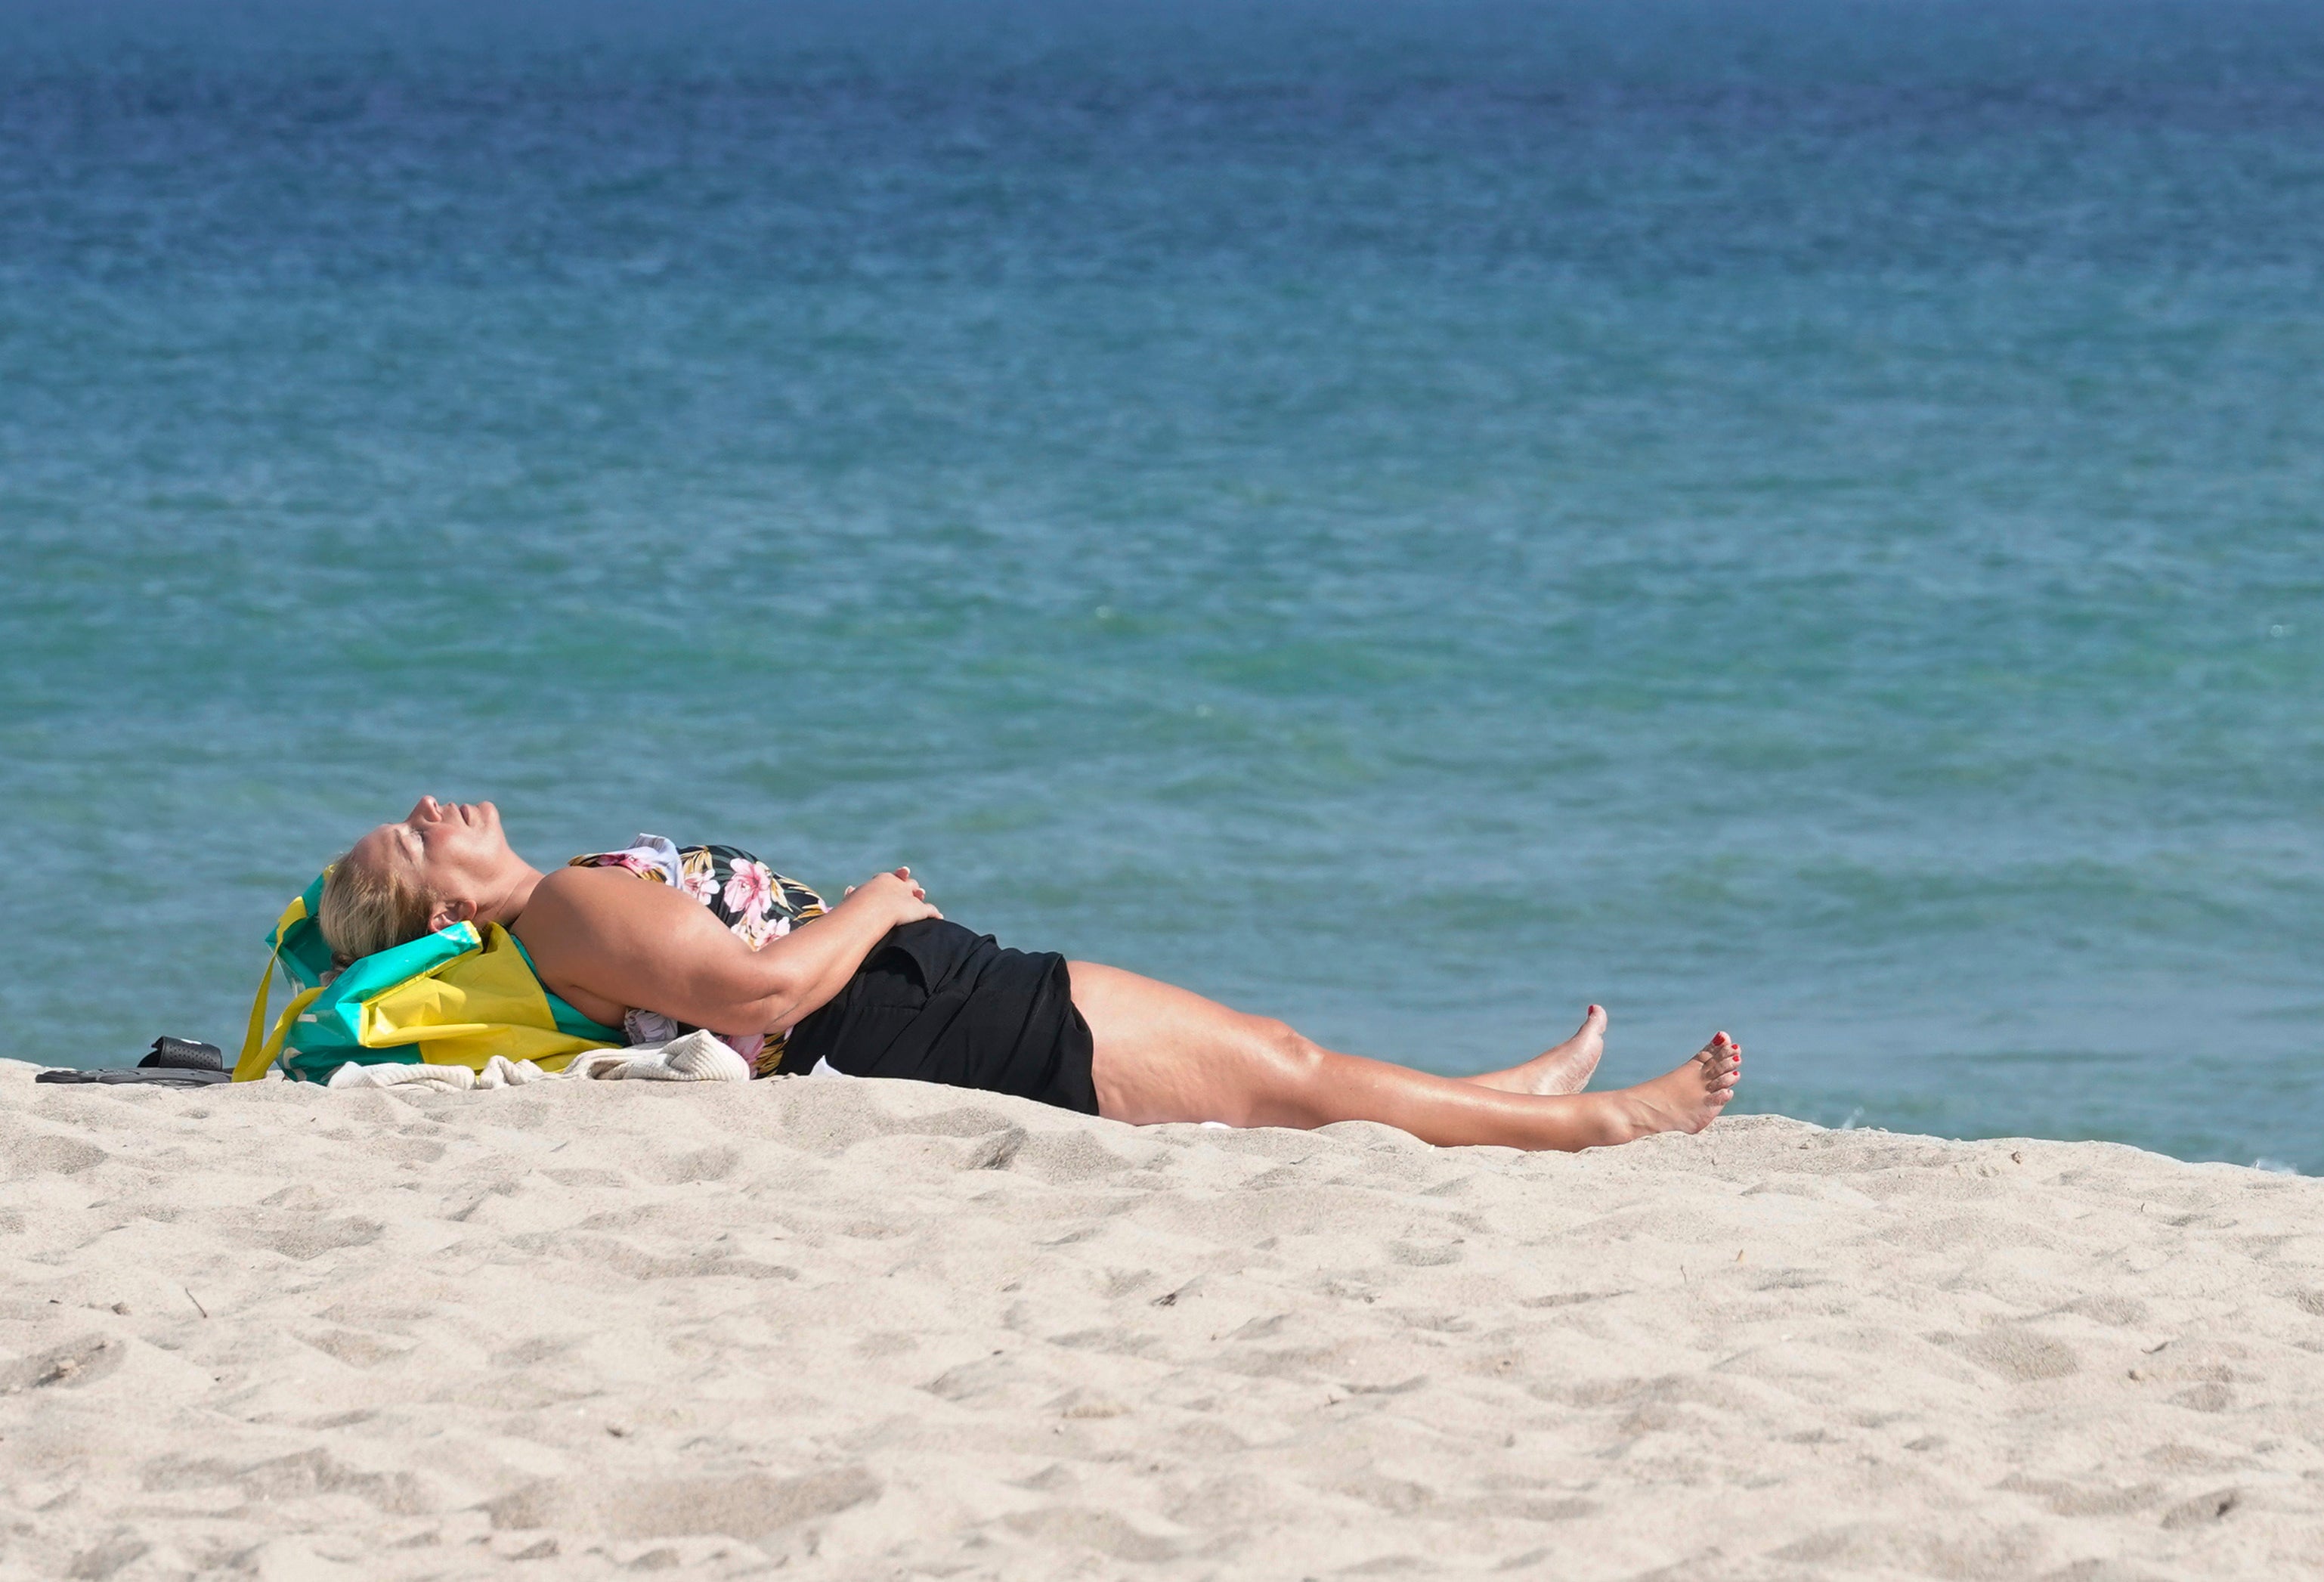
1567 1069
1164 1054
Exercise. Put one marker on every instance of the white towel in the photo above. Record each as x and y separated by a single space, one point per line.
698 1057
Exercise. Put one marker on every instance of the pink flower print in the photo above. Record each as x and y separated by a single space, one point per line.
749 891
756 931
702 885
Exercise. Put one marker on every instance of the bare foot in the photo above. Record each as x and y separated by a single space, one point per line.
1691 1097
1564 1069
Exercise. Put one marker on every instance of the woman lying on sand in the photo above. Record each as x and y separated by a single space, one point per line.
880 985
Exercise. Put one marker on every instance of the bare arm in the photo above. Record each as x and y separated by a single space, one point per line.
607 943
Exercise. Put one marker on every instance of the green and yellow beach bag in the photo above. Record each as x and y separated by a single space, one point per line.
456 997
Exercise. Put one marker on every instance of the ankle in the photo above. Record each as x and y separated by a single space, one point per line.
1621 1117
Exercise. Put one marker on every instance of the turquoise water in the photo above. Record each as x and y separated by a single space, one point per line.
1796 518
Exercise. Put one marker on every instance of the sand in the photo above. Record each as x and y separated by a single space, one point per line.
878 1329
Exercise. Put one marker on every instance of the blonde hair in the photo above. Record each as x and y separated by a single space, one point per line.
365 909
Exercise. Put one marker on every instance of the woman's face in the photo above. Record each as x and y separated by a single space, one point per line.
454 851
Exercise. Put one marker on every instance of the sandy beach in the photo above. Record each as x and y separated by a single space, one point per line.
876 1329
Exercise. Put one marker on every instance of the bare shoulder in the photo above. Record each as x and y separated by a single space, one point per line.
573 904
570 892
604 936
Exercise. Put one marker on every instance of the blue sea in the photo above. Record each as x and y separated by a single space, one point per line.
1798 517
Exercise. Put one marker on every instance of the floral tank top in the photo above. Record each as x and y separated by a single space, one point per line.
755 902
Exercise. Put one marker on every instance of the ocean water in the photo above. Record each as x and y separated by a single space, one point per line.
1798 518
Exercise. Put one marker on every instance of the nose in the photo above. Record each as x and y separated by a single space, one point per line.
427 807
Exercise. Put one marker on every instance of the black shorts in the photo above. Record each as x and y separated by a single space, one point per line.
934 1002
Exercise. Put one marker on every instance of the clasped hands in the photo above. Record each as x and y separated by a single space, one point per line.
895 894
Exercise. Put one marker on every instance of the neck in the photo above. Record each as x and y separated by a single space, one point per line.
514 893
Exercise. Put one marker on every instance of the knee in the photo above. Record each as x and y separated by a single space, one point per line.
1284 1045
1293 1065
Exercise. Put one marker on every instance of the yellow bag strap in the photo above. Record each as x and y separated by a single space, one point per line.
272 1047
258 1049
